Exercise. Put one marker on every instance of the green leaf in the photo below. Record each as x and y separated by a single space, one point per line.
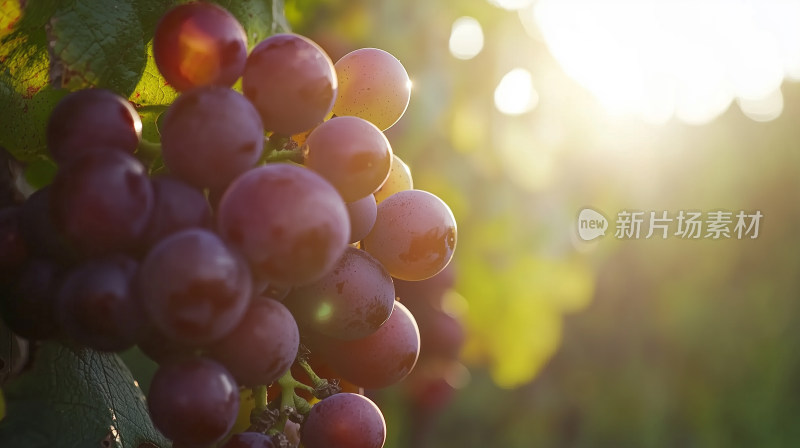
260 18
59 46
77 398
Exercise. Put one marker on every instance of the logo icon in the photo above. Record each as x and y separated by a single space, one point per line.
591 224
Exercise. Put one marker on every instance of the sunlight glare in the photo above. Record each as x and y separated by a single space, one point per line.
512 5
515 94
662 58
765 109
466 38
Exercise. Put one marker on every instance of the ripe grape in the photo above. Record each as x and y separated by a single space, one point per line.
161 348
350 302
193 401
194 288
42 237
28 304
378 360
177 206
90 121
103 202
290 223
373 85
13 250
291 81
414 235
211 135
399 179
344 420
442 335
198 44
262 346
429 291
96 305
351 153
362 215
250 440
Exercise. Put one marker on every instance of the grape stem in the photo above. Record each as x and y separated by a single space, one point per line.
283 155
278 148
291 403
260 395
322 387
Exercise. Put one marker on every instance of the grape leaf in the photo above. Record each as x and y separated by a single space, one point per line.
260 18
58 46
76 397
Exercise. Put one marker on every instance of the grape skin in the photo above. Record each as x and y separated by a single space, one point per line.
289 222
89 121
193 401
350 302
344 420
362 215
250 440
42 237
177 206
291 81
96 305
378 360
197 44
28 304
414 235
13 250
351 153
373 85
211 135
262 346
399 179
103 202
194 288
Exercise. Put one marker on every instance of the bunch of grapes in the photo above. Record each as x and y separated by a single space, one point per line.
272 235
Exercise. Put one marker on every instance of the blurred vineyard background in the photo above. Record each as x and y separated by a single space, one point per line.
525 112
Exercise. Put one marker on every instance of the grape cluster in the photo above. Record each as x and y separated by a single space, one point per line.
231 271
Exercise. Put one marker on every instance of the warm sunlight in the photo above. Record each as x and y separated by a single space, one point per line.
466 38
690 59
514 94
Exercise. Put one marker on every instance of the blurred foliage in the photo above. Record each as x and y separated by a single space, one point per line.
619 343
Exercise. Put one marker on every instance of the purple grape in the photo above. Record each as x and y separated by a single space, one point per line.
290 223
103 202
160 348
344 420
291 81
178 206
42 236
351 153
13 250
211 135
28 304
262 347
91 121
350 302
362 215
194 288
97 307
250 440
198 44
429 291
193 401
378 360
414 235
